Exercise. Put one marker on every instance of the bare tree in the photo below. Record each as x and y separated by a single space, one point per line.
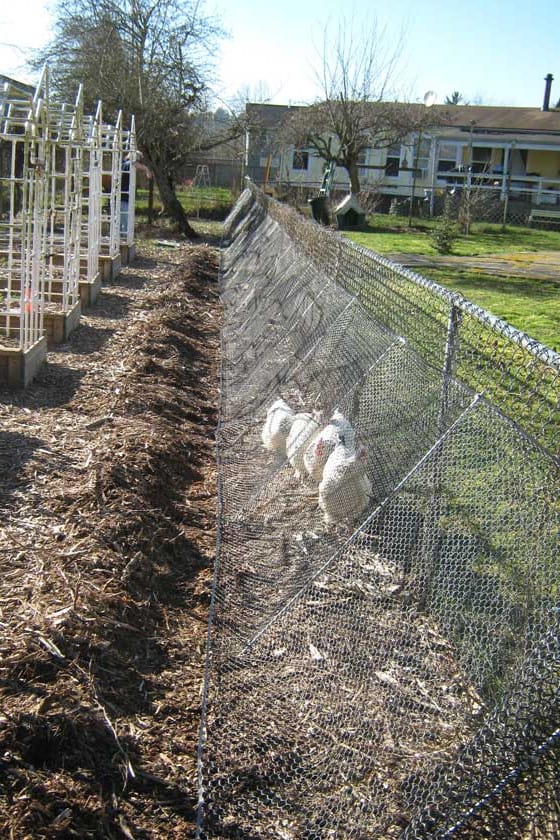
259 91
149 58
357 110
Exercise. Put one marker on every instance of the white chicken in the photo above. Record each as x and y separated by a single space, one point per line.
304 427
279 419
345 489
324 442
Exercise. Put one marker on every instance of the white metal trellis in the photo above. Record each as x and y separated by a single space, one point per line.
91 207
23 162
111 170
64 209
128 195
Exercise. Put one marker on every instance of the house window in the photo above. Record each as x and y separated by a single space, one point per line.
447 157
362 162
300 159
270 160
393 162
481 159
422 157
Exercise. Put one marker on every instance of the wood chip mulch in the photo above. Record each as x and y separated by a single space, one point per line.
107 516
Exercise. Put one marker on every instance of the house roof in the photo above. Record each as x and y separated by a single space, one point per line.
15 86
268 116
482 118
496 118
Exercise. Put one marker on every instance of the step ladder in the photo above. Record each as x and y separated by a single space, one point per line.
328 178
201 176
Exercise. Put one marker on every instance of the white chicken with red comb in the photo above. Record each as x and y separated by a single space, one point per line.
324 442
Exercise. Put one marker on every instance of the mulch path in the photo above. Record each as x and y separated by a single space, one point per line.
107 517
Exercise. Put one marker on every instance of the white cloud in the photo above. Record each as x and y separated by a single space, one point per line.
24 26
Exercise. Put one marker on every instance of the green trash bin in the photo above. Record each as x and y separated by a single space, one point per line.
319 209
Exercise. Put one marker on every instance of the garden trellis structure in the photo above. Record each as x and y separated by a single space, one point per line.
111 172
57 240
395 675
130 150
23 197
90 274
63 219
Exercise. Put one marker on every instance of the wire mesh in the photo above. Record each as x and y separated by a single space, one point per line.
383 652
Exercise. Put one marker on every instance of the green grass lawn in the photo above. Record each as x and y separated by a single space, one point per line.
217 200
529 304
388 234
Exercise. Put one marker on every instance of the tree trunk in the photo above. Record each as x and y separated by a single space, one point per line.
354 176
151 201
171 204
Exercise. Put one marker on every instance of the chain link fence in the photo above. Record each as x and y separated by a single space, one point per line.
384 651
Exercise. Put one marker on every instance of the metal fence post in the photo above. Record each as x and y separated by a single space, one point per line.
430 539
451 340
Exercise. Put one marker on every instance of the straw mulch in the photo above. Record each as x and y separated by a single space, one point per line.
107 511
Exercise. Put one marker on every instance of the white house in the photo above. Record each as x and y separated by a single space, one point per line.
504 150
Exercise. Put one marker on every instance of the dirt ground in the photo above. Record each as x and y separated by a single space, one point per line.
107 515
543 265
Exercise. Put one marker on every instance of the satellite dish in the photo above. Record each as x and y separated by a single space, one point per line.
429 98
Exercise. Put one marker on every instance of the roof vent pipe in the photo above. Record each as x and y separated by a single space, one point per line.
546 101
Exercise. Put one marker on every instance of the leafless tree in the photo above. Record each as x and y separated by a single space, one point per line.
150 58
357 109
259 91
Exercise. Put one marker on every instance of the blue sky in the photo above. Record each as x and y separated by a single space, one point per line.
496 52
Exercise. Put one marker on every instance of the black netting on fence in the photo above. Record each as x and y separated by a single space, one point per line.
384 651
